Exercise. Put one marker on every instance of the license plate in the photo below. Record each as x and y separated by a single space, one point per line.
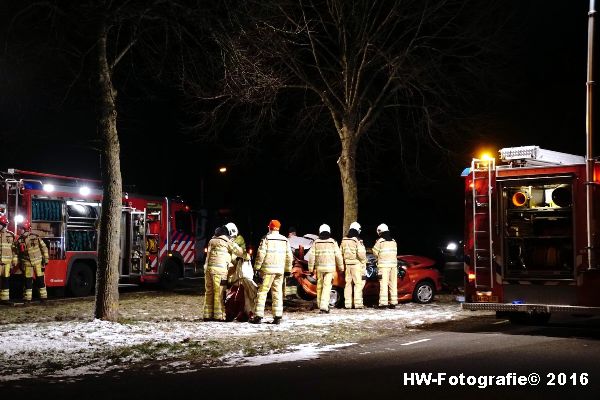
486 299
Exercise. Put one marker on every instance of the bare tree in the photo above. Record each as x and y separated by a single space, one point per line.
96 39
355 61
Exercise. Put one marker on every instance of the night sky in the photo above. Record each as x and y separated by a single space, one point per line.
539 100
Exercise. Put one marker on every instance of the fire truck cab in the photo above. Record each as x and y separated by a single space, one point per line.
158 238
525 235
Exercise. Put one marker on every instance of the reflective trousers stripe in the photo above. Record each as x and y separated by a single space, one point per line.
388 285
354 283
324 282
273 282
214 293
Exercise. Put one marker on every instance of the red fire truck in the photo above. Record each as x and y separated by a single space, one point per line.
157 233
525 235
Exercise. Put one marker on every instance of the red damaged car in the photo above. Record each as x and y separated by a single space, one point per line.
418 280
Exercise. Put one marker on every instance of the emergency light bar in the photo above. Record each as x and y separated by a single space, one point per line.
534 155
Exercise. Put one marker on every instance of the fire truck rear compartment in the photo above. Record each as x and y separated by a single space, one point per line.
537 230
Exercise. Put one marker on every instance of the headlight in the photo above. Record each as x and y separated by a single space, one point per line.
451 246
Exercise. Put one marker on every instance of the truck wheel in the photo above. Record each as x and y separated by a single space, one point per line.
81 280
423 293
170 276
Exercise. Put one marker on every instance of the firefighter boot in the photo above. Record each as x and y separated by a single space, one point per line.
255 320
392 306
276 320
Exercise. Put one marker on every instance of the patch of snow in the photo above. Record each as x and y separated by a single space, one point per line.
303 352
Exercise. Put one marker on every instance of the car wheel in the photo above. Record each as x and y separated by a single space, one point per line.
170 275
423 293
336 298
81 280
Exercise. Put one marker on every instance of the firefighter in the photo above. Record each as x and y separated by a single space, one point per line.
273 261
326 257
386 251
355 262
33 257
219 254
8 257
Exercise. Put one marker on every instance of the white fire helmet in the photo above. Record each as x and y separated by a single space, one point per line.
233 230
324 228
356 226
382 228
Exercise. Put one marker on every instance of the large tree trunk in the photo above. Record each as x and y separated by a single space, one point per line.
107 277
347 166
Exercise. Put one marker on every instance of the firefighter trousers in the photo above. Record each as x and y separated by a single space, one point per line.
354 286
39 281
274 283
388 285
4 281
324 282
215 284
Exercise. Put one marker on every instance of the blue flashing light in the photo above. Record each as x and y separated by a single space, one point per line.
518 302
32 185
466 172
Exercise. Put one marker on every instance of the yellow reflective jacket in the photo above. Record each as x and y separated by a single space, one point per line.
8 248
274 254
353 252
31 250
386 252
325 255
220 251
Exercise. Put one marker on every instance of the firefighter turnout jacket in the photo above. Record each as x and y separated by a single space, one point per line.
219 252
325 255
31 250
386 252
274 255
353 252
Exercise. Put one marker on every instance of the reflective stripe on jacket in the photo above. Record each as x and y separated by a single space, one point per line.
353 252
325 255
220 250
274 254
386 252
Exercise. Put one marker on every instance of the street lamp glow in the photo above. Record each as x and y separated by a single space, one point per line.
84 190
223 170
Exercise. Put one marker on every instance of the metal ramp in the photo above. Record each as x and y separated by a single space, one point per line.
483 171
